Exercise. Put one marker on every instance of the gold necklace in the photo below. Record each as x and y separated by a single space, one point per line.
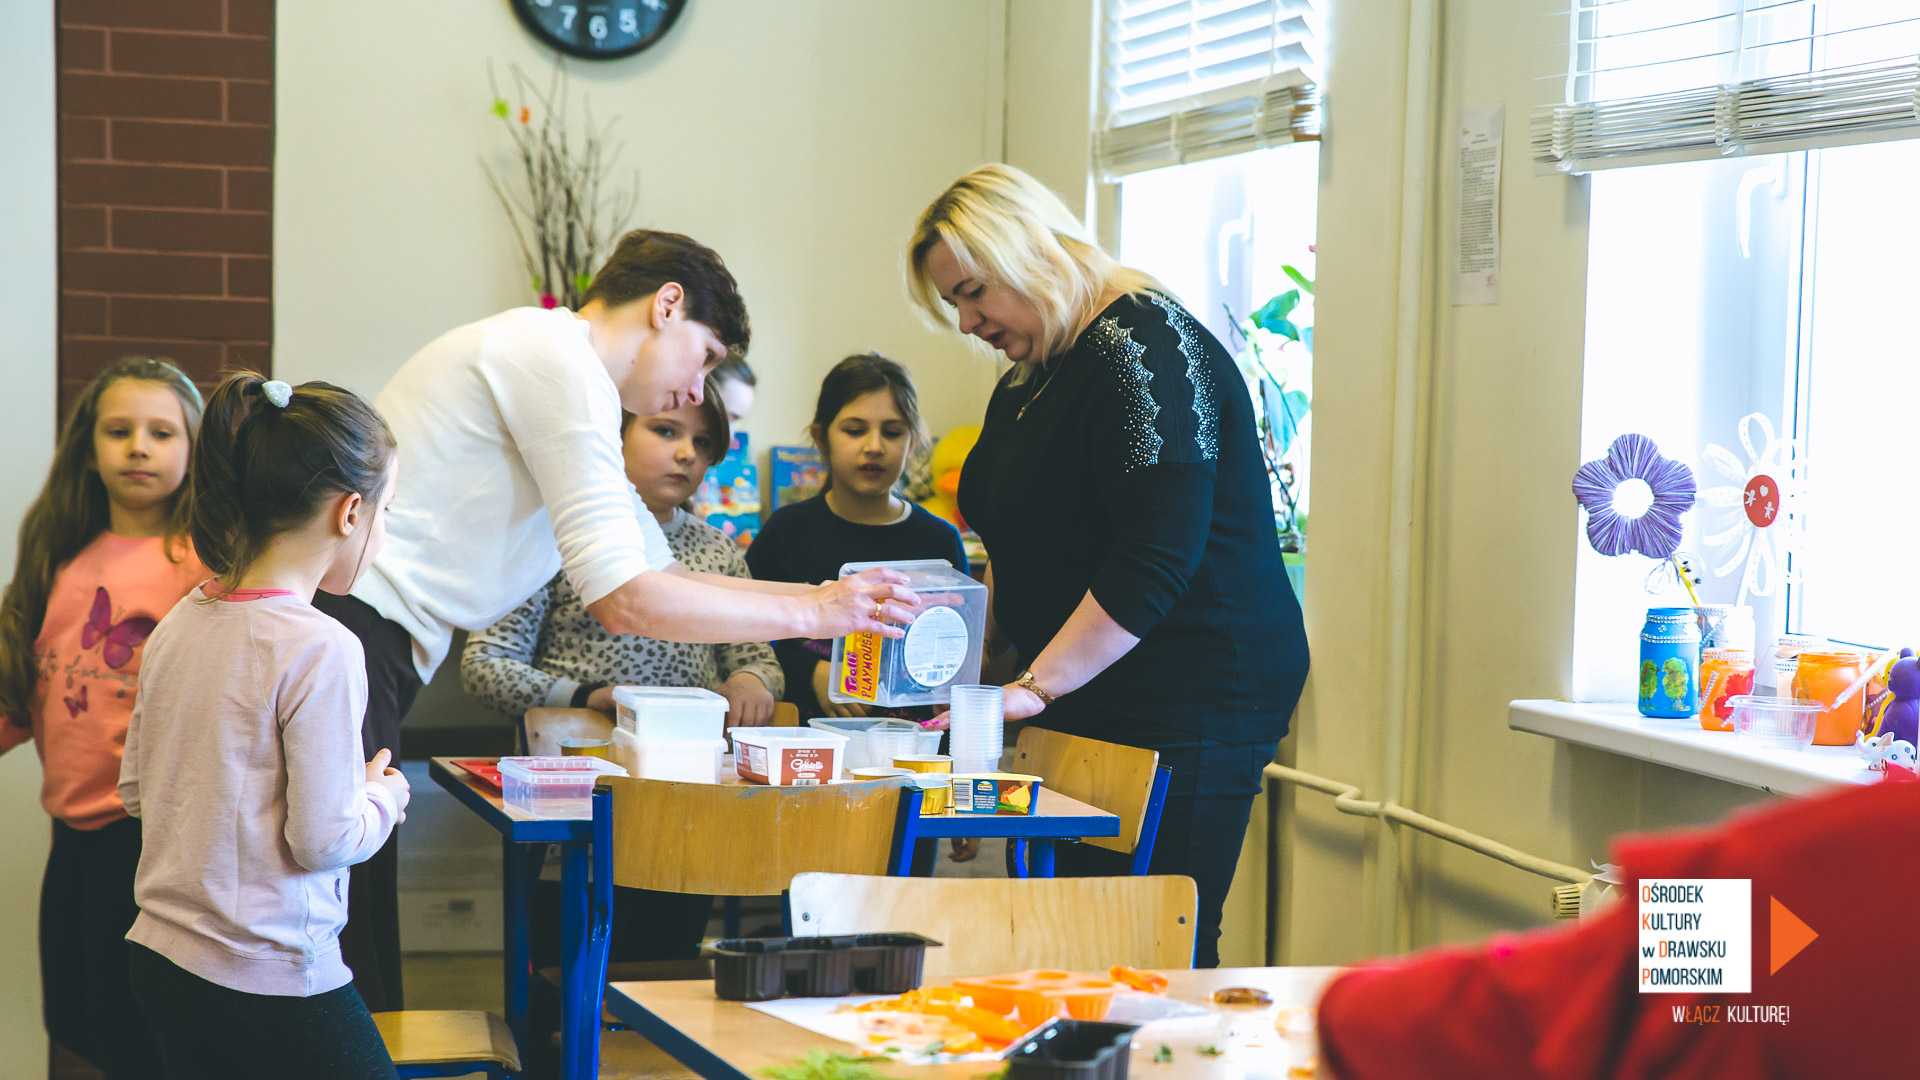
1035 396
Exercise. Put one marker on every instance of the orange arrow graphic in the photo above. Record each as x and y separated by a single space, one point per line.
1790 935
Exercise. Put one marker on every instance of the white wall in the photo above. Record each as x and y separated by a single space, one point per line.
28 310
799 139
1496 442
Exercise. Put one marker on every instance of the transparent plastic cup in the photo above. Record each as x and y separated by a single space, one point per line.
890 739
1775 723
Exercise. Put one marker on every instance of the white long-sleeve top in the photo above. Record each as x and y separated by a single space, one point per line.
510 470
243 764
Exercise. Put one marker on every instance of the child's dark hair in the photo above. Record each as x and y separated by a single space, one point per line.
735 368
713 409
70 511
855 377
260 469
644 260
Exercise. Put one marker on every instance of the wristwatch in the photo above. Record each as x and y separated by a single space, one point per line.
1026 680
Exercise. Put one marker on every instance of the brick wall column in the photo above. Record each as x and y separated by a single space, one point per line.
165 185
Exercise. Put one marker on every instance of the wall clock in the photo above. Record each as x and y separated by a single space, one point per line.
598 29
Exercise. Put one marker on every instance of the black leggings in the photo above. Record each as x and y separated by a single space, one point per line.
209 1032
370 942
1202 825
86 908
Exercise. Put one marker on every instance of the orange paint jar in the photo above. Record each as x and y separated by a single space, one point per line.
1823 677
1724 675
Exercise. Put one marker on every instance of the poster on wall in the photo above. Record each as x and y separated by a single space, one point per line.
1476 276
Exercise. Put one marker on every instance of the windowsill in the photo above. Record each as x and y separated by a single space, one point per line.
1683 744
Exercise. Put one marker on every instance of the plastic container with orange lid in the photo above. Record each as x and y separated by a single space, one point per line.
1823 677
1040 995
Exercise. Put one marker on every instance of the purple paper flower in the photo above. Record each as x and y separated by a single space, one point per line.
1655 533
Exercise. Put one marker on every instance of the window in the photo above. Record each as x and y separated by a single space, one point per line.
1220 234
1776 283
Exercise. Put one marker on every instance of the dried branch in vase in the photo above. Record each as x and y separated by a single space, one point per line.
566 214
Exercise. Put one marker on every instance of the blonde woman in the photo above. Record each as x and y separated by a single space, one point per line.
1124 504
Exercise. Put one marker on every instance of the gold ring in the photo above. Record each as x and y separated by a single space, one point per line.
879 613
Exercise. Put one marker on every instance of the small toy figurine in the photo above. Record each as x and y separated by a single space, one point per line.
1897 712
1883 750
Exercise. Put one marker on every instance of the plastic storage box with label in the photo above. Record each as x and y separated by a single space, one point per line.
942 646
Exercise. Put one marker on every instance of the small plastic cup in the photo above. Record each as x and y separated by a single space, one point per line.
936 792
1775 723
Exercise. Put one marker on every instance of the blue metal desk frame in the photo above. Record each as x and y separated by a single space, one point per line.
522 850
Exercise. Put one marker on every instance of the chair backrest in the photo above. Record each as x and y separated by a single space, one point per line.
785 714
993 925
1104 775
748 839
544 728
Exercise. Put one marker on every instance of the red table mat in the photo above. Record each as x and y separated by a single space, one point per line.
487 769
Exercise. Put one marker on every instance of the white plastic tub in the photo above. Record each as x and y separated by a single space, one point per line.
788 757
657 713
692 761
553 787
927 742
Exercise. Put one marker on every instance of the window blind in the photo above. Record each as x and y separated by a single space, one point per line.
1185 80
1653 81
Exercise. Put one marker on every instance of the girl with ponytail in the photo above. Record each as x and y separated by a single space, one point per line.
103 554
243 757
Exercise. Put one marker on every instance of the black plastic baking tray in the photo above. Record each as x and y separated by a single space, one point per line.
761 969
1072 1050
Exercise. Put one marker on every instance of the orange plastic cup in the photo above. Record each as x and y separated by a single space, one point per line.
1043 994
1823 677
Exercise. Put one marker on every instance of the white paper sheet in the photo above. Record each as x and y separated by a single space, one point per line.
1476 277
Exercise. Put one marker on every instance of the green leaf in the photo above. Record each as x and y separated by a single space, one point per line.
500 108
1306 338
1163 1055
1277 308
1299 278
821 1065
1285 410
581 281
1209 1051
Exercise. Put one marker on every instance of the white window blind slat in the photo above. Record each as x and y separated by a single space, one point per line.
1185 80
1654 81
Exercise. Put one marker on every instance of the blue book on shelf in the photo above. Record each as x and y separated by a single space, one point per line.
797 474
729 496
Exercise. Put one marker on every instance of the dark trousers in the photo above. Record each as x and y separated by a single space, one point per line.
210 1032
1202 826
370 943
86 908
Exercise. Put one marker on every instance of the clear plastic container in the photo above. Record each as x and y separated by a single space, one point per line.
691 761
1775 723
788 757
669 712
942 646
553 787
925 742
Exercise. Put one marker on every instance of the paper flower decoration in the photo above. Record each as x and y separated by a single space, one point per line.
1615 530
1760 524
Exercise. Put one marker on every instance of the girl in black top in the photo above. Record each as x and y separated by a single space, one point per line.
866 425
1120 491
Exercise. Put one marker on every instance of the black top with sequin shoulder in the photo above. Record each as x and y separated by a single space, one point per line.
1129 468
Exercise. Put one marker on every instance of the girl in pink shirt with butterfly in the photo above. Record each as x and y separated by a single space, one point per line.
103 554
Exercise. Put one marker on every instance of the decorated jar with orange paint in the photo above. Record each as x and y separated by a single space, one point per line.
1823 677
1724 675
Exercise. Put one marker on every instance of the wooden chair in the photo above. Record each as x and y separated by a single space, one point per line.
730 840
992 925
426 1042
1122 780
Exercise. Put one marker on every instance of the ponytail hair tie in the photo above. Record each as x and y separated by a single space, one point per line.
277 392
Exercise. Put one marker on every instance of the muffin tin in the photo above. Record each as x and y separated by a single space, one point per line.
761 969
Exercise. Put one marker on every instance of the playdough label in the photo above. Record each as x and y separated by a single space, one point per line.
935 646
860 666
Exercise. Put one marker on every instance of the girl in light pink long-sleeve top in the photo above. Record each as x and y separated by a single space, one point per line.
243 755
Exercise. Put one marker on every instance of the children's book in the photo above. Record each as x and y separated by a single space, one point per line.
729 496
798 474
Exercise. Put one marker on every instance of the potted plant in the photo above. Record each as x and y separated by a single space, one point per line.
1276 359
